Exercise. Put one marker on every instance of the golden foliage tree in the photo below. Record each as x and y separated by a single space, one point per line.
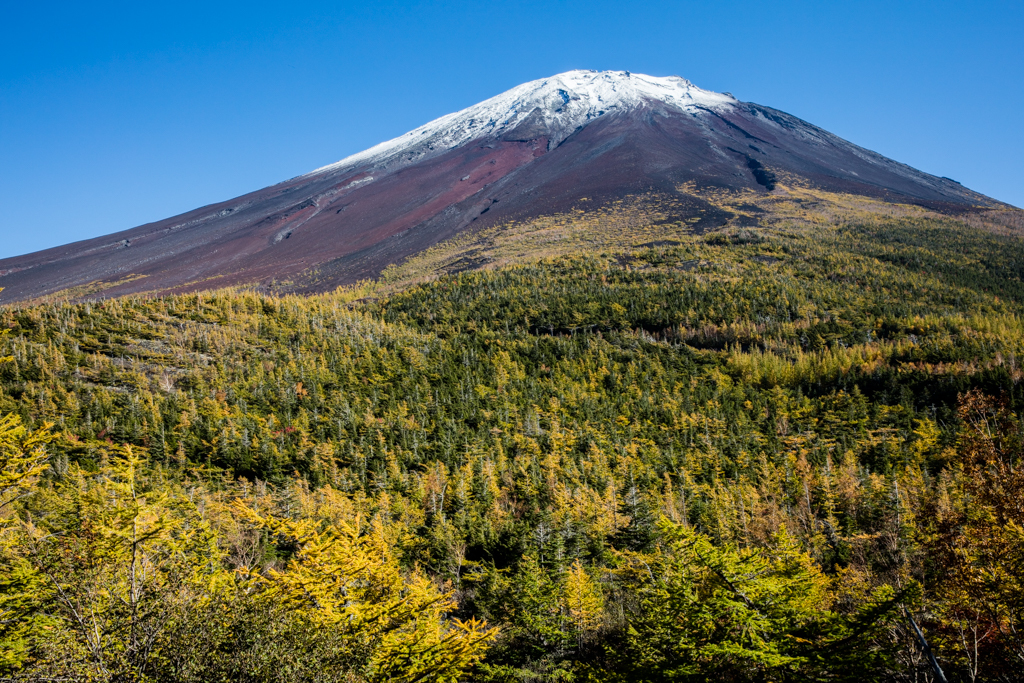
583 601
353 585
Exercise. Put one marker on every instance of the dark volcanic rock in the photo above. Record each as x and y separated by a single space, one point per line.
537 149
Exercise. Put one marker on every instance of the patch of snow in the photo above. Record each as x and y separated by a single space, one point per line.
560 105
357 183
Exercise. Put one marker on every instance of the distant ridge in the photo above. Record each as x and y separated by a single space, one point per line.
536 149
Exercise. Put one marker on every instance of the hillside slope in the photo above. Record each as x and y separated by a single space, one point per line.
576 140
739 455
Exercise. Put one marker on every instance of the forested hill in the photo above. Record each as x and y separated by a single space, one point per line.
756 454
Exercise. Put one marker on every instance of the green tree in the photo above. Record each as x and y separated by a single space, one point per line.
710 612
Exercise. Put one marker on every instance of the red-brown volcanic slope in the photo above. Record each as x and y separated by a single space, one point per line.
352 221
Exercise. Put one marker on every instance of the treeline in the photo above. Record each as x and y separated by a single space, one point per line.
745 457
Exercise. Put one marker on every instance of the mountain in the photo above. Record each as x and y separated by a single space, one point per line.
538 149
521 453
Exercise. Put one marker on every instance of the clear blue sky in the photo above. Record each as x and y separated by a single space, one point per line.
114 115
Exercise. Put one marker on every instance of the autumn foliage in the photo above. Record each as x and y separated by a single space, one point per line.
788 453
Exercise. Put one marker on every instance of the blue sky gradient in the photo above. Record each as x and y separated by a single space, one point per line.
117 114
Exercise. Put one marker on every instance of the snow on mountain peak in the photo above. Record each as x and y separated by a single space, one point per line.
558 106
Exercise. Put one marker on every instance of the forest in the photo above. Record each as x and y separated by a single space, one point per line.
758 454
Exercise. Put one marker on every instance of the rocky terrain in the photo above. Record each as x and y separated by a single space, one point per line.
581 139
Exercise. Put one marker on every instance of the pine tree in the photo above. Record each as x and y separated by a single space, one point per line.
638 534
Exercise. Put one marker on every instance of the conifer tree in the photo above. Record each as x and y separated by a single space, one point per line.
23 591
582 599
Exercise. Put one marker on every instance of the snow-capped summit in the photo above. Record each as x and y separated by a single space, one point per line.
558 106
537 149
